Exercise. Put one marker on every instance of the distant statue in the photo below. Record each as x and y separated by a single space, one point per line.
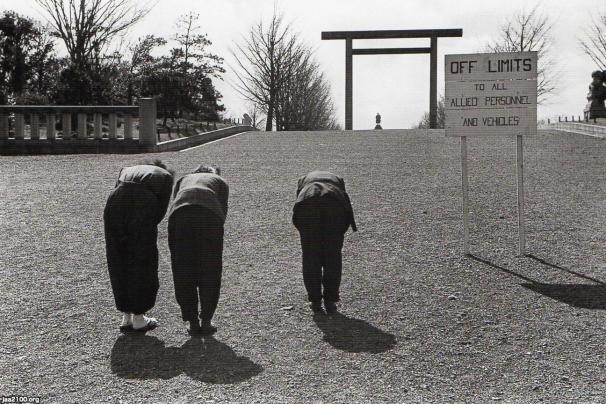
378 121
597 95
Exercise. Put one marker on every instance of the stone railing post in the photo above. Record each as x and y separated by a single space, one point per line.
34 132
66 125
50 126
112 130
82 129
19 126
147 121
98 125
3 125
128 126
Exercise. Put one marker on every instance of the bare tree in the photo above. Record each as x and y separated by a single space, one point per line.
261 58
530 31
264 60
88 26
254 111
275 71
305 102
441 117
594 43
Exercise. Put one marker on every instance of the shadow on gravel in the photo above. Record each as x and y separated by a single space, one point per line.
353 335
585 296
500 268
568 270
578 295
205 359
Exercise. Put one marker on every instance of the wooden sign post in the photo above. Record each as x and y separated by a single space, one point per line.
491 94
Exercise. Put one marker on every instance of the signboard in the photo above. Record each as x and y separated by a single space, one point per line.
491 94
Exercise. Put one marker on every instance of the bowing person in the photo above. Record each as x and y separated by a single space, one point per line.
195 237
322 213
131 216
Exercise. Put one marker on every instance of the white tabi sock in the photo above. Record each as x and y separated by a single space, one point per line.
141 320
126 319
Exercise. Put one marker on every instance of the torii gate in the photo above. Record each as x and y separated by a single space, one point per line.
433 34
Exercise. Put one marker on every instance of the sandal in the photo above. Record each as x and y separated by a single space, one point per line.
151 324
207 329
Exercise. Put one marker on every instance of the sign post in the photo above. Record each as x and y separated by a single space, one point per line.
520 182
492 94
465 184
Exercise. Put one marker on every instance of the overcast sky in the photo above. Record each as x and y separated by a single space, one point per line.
397 86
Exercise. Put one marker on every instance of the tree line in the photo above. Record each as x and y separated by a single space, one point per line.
32 72
276 71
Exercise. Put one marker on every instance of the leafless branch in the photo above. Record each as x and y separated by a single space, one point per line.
88 26
530 31
275 72
594 41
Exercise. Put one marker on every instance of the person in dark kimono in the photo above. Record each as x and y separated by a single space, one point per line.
131 217
195 237
322 214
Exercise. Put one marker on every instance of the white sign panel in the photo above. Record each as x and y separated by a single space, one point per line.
491 94
491 66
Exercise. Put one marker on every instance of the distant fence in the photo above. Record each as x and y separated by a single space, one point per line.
96 130
576 127
573 118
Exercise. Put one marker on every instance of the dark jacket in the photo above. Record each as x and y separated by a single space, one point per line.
201 189
324 184
154 180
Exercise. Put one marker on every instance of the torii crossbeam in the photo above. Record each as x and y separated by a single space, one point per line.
433 34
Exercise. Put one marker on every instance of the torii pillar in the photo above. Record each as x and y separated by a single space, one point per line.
433 34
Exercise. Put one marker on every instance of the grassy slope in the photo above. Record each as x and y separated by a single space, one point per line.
517 329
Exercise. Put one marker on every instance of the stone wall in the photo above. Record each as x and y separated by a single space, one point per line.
201 138
110 146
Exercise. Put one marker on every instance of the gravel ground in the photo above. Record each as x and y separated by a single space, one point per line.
419 320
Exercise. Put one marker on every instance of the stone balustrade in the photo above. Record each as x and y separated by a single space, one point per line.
44 120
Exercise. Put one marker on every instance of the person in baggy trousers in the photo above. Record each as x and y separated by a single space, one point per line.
195 237
322 214
133 211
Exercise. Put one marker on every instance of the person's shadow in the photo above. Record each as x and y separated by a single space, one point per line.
353 335
211 361
137 356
